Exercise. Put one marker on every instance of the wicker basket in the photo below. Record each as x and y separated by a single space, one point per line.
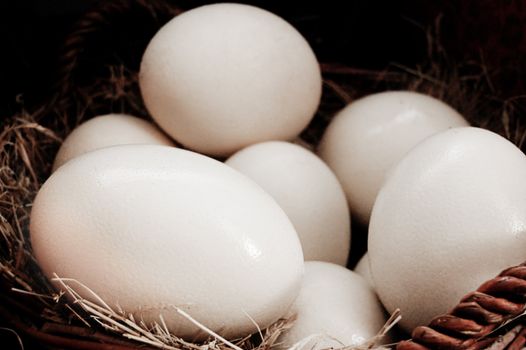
487 318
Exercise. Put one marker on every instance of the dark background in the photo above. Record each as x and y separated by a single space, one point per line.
368 34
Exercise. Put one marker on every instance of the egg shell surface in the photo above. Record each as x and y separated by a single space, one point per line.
363 268
220 77
151 227
451 215
109 130
371 134
308 192
336 304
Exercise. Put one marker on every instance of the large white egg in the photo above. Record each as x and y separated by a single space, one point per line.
336 307
451 215
373 133
108 130
308 192
220 77
150 227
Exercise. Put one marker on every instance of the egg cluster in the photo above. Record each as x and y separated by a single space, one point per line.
151 227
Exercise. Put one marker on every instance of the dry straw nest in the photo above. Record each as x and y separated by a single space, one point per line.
30 138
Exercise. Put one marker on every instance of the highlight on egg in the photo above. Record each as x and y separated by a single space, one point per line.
308 192
149 227
220 77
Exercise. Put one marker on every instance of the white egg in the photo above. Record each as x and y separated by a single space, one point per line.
373 133
451 215
108 130
150 227
308 192
363 268
336 307
220 77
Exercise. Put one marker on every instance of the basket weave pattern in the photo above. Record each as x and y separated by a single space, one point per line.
470 323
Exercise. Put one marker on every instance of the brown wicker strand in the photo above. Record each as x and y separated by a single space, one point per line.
476 316
519 342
